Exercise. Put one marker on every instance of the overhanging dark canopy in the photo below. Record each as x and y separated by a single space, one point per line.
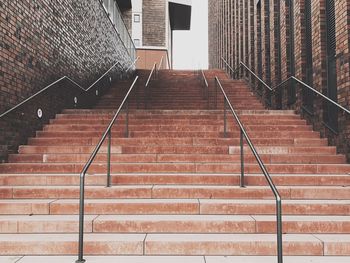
180 15
124 4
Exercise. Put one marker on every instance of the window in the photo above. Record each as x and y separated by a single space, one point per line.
331 114
308 95
137 42
137 18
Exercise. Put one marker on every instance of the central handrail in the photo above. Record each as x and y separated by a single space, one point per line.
160 63
154 68
244 134
204 78
205 87
152 74
87 166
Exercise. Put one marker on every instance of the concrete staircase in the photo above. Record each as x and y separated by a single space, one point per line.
175 181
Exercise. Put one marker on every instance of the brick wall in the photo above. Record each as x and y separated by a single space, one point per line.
342 10
42 41
154 27
213 33
319 55
285 67
245 41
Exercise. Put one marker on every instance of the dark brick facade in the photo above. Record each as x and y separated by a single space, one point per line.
44 40
276 47
154 26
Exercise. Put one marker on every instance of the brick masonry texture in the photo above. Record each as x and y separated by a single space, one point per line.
43 40
154 27
251 36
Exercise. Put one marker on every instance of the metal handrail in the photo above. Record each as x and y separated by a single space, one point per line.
87 166
260 80
243 134
273 89
153 74
132 64
205 87
233 71
167 56
160 63
55 82
318 93
205 79
154 68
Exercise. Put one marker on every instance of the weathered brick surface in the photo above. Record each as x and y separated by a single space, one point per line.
42 41
154 27
257 36
342 10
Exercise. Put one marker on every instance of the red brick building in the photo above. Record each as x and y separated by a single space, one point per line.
278 39
151 23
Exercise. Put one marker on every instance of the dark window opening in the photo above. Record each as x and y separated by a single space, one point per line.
290 54
331 113
308 95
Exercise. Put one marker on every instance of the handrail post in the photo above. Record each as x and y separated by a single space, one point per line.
225 122
81 220
148 95
156 72
208 96
216 95
127 120
242 159
279 231
87 166
109 158
138 96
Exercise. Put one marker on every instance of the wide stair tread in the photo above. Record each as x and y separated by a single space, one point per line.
175 181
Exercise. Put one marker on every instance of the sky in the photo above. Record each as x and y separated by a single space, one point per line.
191 47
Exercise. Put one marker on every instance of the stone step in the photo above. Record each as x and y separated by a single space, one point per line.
228 168
174 191
202 206
148 134
125 206
176 141
172 128
66 244
286 149
182 117
174 244
250 121
174 224
151 158
170 113
219 224
176 149
44 223
174 206
245 244
268 207
49 192
175 259
171 179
